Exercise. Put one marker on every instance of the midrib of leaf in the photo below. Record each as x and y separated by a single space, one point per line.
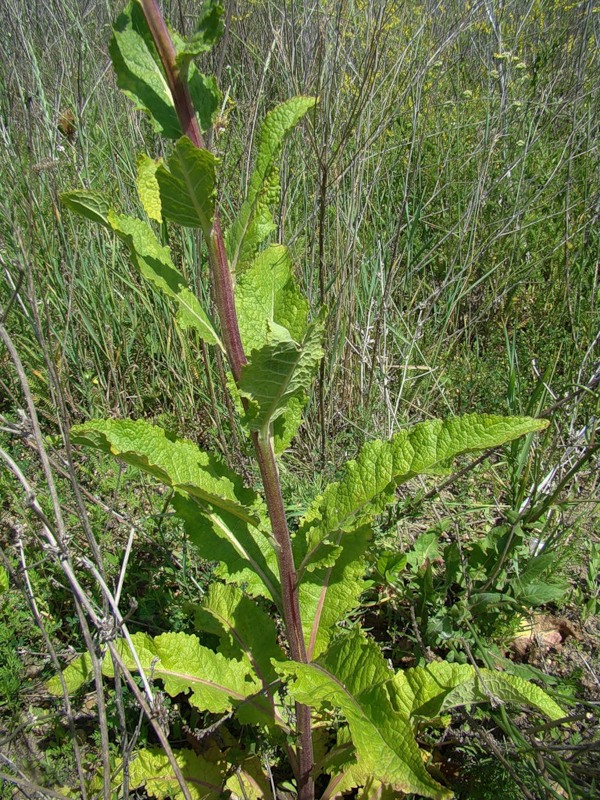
231 537
206 226
249 217
315 627
270 410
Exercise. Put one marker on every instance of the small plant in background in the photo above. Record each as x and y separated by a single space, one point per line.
289 658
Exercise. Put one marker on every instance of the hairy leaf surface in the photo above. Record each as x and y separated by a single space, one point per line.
175 462
147 186
255 222
353 677
369 483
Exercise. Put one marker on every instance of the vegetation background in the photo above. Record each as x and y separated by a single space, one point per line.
443 202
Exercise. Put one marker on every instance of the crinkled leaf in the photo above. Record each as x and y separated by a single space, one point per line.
77 674
215 683
245 629
266 293
369 483
150 770
187 186
245 553
353 678
433 690
280 370
147 186
91 205
175 462
254 222
328 594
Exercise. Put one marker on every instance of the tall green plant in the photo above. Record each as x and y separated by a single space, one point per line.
320 670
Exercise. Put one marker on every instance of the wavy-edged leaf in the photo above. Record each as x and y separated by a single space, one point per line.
147 186
245 553
175 462
433 690
187 186
266 293
329 593
353 677
255 222
244 629
150 769
369 483
79 672
280 370
214 683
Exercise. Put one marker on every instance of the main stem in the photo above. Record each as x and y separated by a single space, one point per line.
224 301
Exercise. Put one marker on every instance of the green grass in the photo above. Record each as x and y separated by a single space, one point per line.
442 201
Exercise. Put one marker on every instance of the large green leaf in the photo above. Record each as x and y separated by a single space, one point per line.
353 678
245 553
175 462
433 690
245 629
255 222
79 672
280 370
369 483
215 683
150 770
266 293
141 76
147 186
150 257
187 186
330 592
209 29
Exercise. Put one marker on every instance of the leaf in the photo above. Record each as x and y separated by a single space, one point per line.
433 690
279 371
254 222
369 483
139 72
209 29
266 293
245 629
245 553
154 262
187 186
353 678
77 674
329 593
141 77
147 186
3 580
215 683
149 256
175 462
91 205
150 769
